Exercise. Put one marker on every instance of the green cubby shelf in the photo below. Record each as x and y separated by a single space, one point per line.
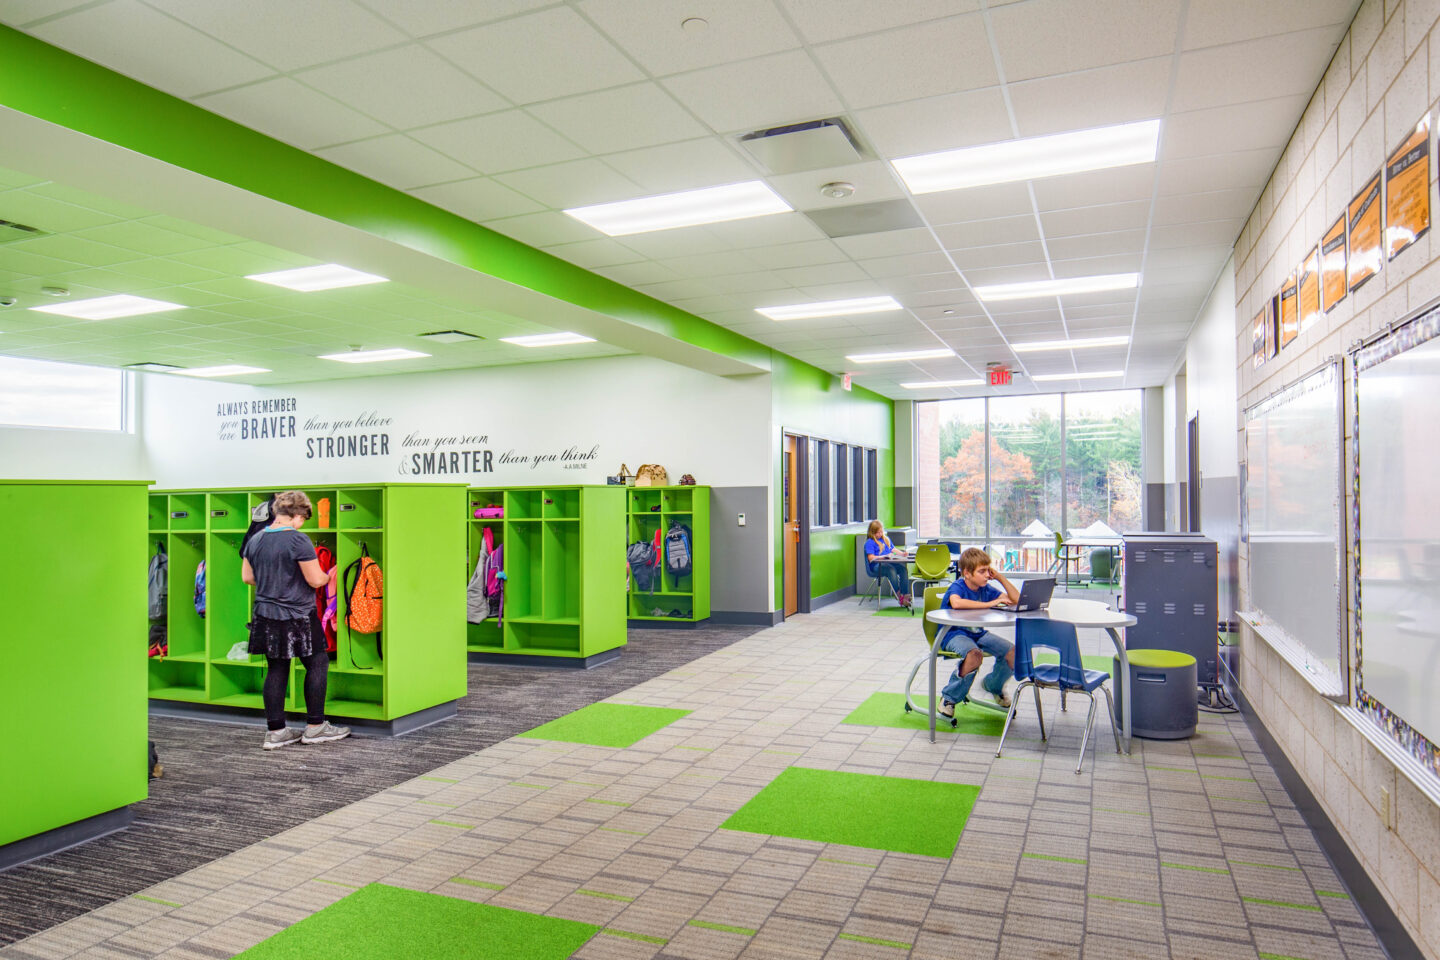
649 509
562 590
415 664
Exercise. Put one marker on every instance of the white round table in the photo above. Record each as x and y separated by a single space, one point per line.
1111 621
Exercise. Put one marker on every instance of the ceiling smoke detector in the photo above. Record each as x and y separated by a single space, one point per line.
837 189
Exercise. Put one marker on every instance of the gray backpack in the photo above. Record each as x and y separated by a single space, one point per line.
159 582
643 559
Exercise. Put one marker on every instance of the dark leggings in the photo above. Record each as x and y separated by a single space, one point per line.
317 667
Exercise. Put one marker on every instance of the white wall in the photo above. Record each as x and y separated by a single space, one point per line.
1210 378
32 453
566 422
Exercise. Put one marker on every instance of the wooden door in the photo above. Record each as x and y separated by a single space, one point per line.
790 526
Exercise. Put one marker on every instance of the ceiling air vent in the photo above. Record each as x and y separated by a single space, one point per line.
813 145
11 231
858 218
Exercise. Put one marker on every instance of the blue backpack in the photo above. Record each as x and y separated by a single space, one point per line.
200 589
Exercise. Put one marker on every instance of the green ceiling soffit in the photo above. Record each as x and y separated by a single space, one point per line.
59 87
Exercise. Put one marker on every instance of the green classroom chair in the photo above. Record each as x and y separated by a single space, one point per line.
932 563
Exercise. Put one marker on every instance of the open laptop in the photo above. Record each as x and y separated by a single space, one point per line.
1034 594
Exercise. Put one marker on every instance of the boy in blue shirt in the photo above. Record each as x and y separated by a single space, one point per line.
976 590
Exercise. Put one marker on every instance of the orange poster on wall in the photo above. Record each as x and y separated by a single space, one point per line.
1364 218
1259 347
1407 190
1332 265
1310 289
1289 315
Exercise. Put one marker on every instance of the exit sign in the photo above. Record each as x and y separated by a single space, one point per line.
1000 378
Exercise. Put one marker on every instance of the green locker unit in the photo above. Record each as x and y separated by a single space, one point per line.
407 676
564 564
72 692
685 601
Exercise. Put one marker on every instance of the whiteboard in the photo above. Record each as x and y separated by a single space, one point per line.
1397 475
1292 523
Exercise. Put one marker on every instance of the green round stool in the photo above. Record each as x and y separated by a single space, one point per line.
1166 700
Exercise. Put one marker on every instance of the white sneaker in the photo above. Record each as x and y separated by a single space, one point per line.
324 733
275 739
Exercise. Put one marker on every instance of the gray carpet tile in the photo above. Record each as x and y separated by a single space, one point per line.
221 792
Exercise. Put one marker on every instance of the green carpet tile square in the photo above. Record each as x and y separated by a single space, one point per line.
379 922
888 710
897 612
607 724
860 810
1093 661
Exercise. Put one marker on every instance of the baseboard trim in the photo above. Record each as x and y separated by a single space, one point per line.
64 837
555 663
664 624
1368 899
747 618
834 596
247 716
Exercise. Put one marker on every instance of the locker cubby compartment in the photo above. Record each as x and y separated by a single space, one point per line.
642 526
237 685
483 636
561 561
186 627
486 498
159 512
187 511
227 607
678 500
524 577
562 504
544 638
358 652
359 509
177 680
346 695
644 499
524 504
672 606
228 511
315 497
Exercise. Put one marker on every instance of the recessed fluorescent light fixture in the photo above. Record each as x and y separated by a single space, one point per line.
373 356
224 370
831 308
326 276
449 336
1093 375
547 339
1058 288
934 354
927 384
108 308
149 366
1077 343
1031 159
734 201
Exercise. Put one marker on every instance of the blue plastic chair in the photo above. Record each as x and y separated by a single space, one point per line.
1067 676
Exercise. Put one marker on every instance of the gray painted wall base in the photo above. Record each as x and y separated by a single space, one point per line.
246 716
1367 897
747 617
556 663
834 596
63 838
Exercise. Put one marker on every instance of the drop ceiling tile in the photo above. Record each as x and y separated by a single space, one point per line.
682 166
1215 205
162 271
409 86
680 242
763 231
753 287
1196 234
889 244
499 142
1098 186
595 253
823 273
711 264
573 184
140 237
872 181
1097 244
999 255
947 285
287 35
1242 127
803 254
621 118
1102 218
1249 168
906 265
923 60
770 91
480 199
1045 37
424 19
47 213
976 203
1227 21
1292 63
650 31
932 124
678 289
396 160
539 56
1013 274
1096 265
290 111
73 248
828 290
980 233
823 20
543 229
135 40
1122 93
1215 254
636 274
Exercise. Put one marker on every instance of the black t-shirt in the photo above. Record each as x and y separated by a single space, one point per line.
281 592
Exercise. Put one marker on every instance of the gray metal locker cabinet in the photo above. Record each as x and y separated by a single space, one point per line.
1172 588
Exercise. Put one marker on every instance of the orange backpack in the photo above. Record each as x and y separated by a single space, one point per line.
364 594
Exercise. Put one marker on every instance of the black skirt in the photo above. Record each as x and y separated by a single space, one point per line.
279 639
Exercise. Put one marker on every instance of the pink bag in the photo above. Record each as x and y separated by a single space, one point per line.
491 512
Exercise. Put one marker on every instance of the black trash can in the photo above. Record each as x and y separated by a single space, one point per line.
1163 685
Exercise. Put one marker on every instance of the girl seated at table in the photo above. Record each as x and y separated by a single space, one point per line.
879 545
